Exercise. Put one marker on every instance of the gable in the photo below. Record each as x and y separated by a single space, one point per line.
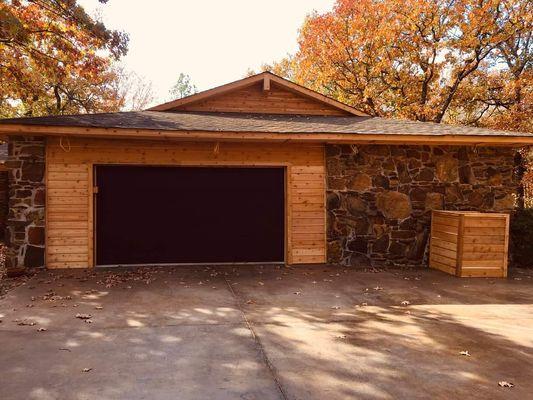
263 93
253 99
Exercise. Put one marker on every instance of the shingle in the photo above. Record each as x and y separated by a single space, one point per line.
232 122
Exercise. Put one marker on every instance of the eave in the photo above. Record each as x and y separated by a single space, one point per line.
215 136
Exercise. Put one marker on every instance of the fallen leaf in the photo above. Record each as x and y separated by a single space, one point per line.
341 337
98 308
505 384
41 330
86 369
26 323
297 293
465 353
260 283
250 302
84 316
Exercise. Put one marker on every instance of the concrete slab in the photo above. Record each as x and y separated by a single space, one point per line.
267 333
184 362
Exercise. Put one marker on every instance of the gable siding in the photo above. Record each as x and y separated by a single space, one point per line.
253 99
70 238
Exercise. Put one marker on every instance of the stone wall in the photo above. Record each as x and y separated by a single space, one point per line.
4 200
26 215
379 198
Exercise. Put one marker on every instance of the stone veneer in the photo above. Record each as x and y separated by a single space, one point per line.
4 201
26 215
379 197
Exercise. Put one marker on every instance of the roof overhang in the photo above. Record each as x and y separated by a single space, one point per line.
216 136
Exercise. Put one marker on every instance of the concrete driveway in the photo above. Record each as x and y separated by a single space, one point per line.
266 333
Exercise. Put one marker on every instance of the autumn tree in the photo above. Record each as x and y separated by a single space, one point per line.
463 61
56 59
501 97
183 87
134 92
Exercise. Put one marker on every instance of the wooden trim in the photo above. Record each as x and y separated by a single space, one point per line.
264 76
46 208
506 248
325 191
288 216
460 233
333 138
266 83
91 239
288 251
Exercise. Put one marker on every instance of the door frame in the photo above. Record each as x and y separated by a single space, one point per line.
286 205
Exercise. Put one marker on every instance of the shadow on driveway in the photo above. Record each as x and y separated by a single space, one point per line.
266 333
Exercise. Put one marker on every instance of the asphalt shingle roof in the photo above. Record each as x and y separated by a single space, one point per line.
266 123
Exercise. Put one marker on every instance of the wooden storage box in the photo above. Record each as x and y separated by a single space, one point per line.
468 244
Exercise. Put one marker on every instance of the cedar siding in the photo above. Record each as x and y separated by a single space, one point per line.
70 225
253 99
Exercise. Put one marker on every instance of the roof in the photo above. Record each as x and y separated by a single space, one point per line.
264 123
265 79
259 111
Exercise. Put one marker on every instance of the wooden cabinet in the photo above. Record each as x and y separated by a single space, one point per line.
469 244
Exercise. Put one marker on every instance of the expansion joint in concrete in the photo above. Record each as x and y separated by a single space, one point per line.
257 340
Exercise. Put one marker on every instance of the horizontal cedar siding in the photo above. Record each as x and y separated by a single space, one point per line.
69 184
254 100
469 244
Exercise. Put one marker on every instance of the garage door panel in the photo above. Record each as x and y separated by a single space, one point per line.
187 215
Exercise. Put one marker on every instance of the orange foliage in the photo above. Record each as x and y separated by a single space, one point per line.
460 61
55 59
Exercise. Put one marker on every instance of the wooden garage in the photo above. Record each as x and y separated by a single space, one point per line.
233 174
278 187
71 198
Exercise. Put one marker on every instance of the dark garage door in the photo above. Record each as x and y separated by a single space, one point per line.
149 215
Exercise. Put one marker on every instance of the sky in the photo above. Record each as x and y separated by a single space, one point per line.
213 41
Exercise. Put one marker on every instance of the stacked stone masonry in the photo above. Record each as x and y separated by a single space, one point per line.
25 231
379 197
4 200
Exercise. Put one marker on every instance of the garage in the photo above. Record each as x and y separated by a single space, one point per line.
172 214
